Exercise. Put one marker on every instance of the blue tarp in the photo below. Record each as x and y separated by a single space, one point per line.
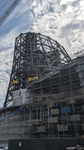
65 110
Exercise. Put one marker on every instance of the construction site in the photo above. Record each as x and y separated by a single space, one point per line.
45 96
44 103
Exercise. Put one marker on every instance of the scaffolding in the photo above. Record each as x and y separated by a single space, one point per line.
57 109
54 89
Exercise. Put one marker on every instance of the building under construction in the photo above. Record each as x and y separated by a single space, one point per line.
45 96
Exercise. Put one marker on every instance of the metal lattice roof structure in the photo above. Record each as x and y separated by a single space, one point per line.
34 55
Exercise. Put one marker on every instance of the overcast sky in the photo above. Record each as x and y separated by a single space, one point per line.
62 20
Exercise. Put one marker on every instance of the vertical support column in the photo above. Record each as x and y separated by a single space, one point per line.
72 103
41 109
51 125
61 100
48 125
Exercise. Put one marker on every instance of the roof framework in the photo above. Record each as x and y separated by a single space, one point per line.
34 55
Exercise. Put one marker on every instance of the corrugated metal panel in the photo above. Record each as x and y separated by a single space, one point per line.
55 111
35 121
75 118
62 127
41 129
51 103
70 101
53 120
21 131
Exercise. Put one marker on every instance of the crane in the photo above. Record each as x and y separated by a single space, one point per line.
8 11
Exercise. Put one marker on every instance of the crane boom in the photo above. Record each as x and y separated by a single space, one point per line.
8 11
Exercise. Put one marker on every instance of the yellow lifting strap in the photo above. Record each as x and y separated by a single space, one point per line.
32 78
15 82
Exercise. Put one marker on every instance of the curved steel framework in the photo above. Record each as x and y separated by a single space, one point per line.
34 55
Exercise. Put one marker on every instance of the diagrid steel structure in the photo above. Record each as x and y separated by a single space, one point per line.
35 55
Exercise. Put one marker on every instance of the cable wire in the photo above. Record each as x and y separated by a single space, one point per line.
8 11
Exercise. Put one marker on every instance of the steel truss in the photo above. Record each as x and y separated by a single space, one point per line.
34 55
